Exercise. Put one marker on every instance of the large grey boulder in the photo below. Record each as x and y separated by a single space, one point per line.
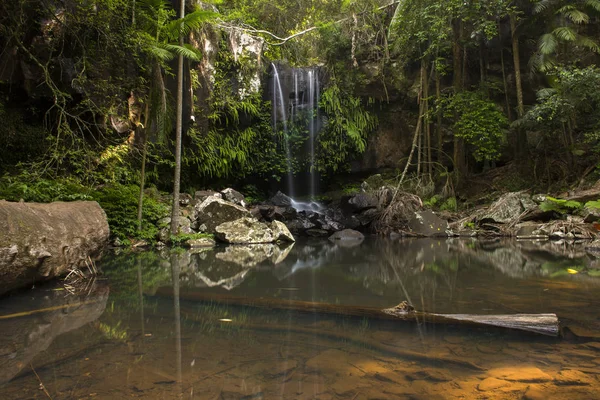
359 202
214 211
280 199
244 230
347 234
281 232
426 223
233 196
509 208
43 241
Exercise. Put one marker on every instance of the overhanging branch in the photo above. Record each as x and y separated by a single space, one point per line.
282 40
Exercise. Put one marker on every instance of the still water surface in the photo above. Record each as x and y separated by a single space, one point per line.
141 333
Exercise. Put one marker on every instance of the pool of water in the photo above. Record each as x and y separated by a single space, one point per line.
181 324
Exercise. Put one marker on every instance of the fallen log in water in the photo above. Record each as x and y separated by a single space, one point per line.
543 324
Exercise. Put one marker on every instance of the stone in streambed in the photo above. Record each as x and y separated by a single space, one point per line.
281 232
347 235
492 384
573 377
244 230
214 211
520 374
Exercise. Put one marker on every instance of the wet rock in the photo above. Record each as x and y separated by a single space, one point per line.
347 235
200 242
42 241
281 232
428 375
359 202
492 384
299 225
520 374
233 196
244 230
184 199
317 232
592 214
366 217
509 208
530 230
426 223
215 211
201 195
573 377
536 392
281 200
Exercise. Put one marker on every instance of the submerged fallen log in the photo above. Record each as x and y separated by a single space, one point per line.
543 324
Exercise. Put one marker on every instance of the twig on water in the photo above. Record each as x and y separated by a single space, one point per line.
42 386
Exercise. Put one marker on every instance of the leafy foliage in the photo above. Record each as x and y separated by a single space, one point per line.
120 204
479 121
348 124
560 206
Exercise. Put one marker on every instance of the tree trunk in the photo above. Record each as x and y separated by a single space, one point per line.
457 55
178 134
521 142
143 171
543 324
505 83
438 97
416 136
427 125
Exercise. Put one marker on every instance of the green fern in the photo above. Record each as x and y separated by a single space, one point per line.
560 206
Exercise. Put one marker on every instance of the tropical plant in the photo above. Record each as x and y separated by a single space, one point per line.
567 31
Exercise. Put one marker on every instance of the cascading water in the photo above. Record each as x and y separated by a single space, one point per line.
302 105
279 108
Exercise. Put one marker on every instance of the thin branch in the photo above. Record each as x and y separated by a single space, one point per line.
281 41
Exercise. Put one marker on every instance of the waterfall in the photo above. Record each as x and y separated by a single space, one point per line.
313 109
296 94
279 109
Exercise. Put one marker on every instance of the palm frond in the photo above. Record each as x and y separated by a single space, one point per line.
187 51
565 33
547 43
595 4
575 15
188 23
160 51
543 5
588 43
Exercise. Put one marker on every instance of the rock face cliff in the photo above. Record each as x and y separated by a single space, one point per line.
43 241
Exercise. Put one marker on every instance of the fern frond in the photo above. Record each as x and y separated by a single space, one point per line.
188 23
547 43
575 15
187 51
595 4
588 43
565 33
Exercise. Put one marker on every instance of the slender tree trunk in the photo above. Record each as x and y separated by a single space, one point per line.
427 124
133 12
143 171
178 134
415 137
353 48
457 55
438 96
521 142
505 83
